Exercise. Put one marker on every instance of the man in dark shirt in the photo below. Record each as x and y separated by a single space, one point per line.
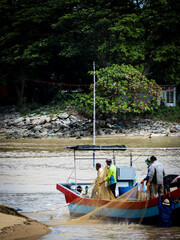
171 181
165 211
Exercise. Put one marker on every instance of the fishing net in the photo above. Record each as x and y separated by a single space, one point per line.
101 191
103 205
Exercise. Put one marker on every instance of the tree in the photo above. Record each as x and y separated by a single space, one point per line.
57 40
121 89
24 53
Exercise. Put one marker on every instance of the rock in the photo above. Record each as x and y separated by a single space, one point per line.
56 129
44 134
73 123
66 122
59 135
42 130
67 135
54 119
75 133
58 122
107 131
63 116
35 121
27 121
109 125
18 120
100 132
48 126
37 128
71 117
29 127
48 119
42 121
20 124
9 122
173 130
64 126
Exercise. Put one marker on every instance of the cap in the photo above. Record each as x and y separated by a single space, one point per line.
148 161
166 202
108 160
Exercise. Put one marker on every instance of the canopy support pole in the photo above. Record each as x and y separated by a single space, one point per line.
94 113
75 168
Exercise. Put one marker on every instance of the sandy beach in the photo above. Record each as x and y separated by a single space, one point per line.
14 225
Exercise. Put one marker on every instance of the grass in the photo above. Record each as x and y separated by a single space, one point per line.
168 114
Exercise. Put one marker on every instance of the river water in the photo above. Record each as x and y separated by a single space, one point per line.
30 169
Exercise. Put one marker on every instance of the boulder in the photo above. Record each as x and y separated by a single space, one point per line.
66 122
36 121
48 119
173 130
71 117
59 135
27 121
54 118
42 120
56 129
44 134
37 128
63 116
62 126
18 120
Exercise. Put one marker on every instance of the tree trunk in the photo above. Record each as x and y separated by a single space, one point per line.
147 68
20 93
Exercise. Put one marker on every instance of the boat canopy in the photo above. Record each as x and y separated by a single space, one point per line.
95 148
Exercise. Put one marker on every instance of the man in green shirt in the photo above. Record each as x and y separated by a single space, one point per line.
111 177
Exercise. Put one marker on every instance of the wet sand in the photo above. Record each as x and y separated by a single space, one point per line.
14 225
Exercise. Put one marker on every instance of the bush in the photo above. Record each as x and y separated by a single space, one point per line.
120 89
170 114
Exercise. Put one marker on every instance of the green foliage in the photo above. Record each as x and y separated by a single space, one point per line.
121 89
169 114
42 38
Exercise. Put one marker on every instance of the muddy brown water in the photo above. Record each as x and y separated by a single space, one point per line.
30 169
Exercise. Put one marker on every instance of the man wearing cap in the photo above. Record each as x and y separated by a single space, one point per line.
165 211
111 177
148 162
156 177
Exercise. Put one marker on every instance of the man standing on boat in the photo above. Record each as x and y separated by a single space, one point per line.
148 162
99 169
111 177
156 177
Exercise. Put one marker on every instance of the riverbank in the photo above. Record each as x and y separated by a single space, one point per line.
66 124
14 225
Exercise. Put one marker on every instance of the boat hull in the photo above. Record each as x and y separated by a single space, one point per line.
145 212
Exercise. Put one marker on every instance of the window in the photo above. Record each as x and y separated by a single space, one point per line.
170 96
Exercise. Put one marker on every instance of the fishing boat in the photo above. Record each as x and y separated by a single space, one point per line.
133 209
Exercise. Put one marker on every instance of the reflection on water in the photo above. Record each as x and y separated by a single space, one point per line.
30 169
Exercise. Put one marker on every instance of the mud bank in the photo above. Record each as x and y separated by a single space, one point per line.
14 225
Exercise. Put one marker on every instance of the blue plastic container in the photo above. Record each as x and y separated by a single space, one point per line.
123 190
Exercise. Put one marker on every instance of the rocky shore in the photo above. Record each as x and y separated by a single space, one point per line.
65 125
